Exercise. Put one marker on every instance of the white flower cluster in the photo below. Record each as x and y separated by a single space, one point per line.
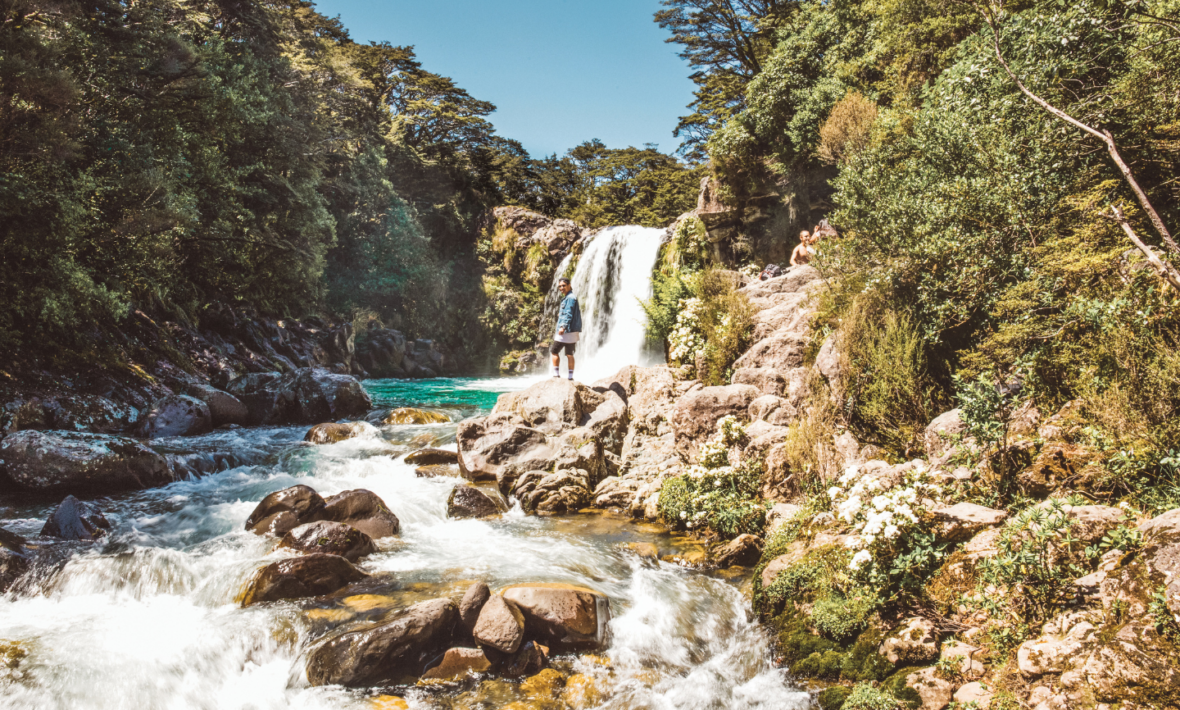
879 516
750 270
685 340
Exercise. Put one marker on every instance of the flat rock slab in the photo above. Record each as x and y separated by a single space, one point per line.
432 457
962 521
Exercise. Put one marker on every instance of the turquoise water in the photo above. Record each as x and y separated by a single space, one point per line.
472 396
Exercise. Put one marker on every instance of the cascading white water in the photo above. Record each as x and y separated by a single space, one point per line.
613 275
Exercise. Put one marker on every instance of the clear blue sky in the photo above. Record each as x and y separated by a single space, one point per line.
559 71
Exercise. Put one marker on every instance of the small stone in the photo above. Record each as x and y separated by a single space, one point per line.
469 502
388 702
934 691
458 662
75 520
643 550
363 510
300 502
974 693
336 432
500 625
432 457
410 415
329 538
913 642
477 595
437 470
308 576
742 551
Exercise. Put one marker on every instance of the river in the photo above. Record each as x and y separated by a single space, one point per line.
146 618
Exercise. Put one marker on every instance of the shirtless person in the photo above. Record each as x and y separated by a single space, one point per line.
802 253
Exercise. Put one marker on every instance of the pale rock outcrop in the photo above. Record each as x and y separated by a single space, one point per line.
1053 652
914 642
941 433
697 413
962 521
935 691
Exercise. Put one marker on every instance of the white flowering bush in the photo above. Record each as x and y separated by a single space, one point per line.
715 492
893 546
686 338
750 270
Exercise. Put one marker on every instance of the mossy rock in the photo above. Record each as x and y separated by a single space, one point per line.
896 686
825 666
863 662
833 698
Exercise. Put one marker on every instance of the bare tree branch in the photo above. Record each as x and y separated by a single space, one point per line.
1164 269
992 15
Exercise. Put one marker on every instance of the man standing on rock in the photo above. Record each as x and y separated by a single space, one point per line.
569 327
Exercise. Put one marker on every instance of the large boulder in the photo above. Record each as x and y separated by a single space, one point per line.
75 520
224 408
363 510
329 538
500 625
697 412
307 576
302 396
284 510
78 462
14 559
783 350
175 415
489 444
470 502
388 652
562 616
551 405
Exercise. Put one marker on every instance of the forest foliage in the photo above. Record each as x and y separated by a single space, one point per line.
164 155
978 229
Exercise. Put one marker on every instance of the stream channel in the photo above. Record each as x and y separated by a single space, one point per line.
146 618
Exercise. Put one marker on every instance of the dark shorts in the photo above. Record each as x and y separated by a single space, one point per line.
556 348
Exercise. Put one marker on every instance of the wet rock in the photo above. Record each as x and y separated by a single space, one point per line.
432 457
387 652
75 520
308 576
545 685
935 692
962 521
489 445
552 405
941 433
437 470
912 643
543 493
473 600
78 462
643 550
500 625
330 538
361 509
470 502
14 559
742 551
697 412
175 415
583 692
224 408
411 415
563 616
283 510
302 396
458 662
336 432
532 658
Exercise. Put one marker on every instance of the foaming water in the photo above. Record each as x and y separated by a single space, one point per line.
148 619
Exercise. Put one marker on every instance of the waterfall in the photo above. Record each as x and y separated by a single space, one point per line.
613 275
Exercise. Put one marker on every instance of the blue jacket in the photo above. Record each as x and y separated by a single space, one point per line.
570 317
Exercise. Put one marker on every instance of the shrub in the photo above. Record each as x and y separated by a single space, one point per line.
865 697
726 322
669 290
714 493
1034 566
833 698
847 130
889 394
842 619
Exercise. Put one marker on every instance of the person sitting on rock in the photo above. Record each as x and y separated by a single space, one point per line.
803 252
569 328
